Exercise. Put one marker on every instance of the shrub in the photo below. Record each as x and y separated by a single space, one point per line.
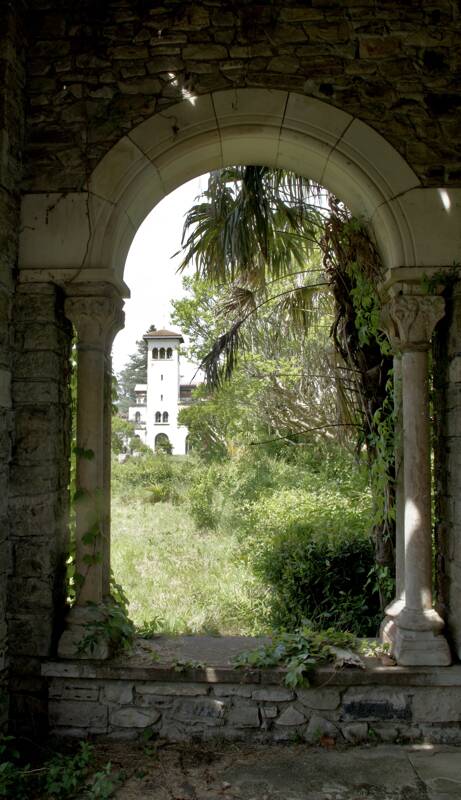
201 498
313 549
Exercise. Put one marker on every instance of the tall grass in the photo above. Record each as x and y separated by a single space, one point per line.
178 578
238 547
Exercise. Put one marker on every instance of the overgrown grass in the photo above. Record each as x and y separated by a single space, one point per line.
180 578
246 545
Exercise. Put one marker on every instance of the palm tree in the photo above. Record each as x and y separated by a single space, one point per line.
277 239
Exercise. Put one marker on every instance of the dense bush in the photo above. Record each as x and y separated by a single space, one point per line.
311 546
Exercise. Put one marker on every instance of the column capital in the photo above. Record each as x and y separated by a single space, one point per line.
96 318
409 320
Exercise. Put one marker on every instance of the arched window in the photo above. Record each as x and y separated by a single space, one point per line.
165 416
162 352
155 352
163 444
158 416
137 416
169 353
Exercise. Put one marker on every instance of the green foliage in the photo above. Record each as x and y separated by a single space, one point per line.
60 776
304 529
123 436
112 624
200 498
299 652
135 371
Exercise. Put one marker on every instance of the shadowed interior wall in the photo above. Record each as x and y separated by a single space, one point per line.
12 77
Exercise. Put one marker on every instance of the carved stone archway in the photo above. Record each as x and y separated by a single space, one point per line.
83 239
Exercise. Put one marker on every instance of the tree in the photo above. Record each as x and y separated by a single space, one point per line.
254 230
135 371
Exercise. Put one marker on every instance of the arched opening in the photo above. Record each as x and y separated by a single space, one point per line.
246 126
158 416
162 444
155 352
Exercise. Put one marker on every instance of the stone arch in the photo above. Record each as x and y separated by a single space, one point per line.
83 239
87 235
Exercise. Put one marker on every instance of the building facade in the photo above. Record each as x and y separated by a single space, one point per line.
158 402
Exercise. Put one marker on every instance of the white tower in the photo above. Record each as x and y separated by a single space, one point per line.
163 380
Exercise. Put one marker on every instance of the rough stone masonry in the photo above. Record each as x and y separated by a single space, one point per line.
76 77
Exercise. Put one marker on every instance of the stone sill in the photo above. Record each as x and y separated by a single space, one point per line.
216 653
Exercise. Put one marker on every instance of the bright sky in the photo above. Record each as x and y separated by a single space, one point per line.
150 272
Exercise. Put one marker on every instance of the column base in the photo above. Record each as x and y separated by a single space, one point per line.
414 636
418 648
80 638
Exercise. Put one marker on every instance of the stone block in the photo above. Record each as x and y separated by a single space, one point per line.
78 714
73 690
207 711
355 732
318 727
119 692
275 695
134 717
375 703
291 716
233 690
320 699
172 689
243 716
437 705
269 712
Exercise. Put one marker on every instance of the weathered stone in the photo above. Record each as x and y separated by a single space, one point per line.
243 716
233 690
291 716
134 717
81 691
118 692
276 695
321 699
149 86
172 689
78 714
204 52
318 727
376 704
437 705
207 711
355 732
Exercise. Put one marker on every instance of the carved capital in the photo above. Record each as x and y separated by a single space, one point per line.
96 320
409 320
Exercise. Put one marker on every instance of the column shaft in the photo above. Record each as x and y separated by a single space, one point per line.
417 482
89 512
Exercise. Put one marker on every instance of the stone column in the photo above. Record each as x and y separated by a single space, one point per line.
107 450
94 318
393 609
416 637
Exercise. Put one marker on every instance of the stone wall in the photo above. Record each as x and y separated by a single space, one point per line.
96 69
12 77
447 417
38 493
378 704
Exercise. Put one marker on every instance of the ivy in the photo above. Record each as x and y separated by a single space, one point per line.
301 652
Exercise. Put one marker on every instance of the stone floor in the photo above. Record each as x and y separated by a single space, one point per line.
288 772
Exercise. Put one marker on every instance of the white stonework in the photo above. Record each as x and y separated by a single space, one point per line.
158 402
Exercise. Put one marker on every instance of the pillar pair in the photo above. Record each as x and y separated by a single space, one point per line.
412 626
96 317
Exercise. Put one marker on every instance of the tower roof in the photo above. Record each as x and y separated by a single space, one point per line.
163 334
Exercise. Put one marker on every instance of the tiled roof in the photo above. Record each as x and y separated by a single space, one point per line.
162 334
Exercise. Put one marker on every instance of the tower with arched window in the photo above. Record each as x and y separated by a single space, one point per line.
164 390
